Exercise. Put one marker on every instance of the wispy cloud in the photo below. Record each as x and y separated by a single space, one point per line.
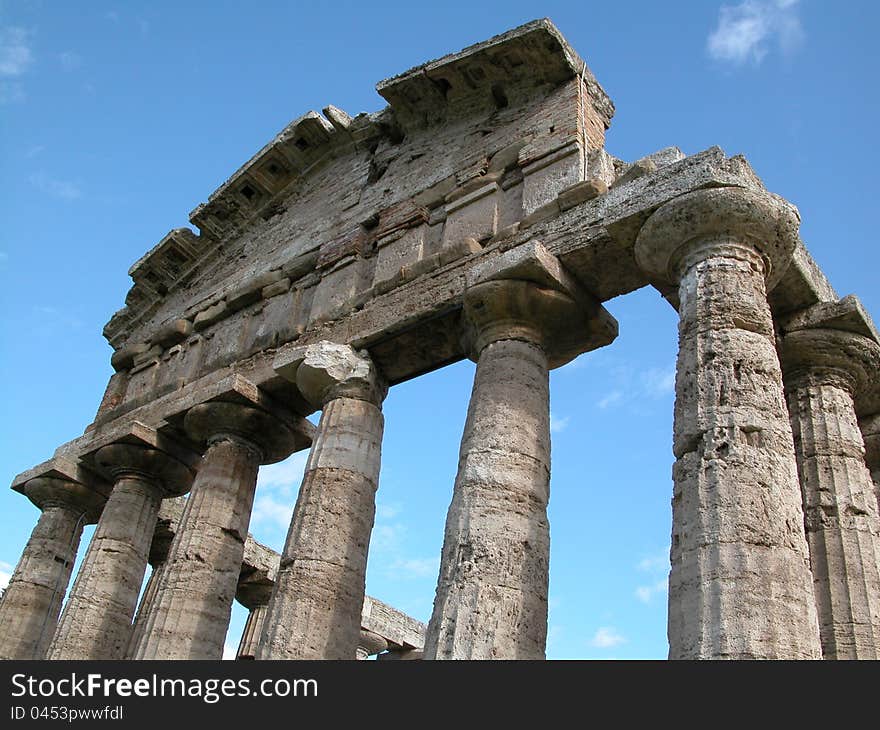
415 567
271 511
634 386
656 566
609 400
653 563
58 317
35 150
658 382
277 487
5 574
57 188
558 424
285 476
607 637
647 593
15 51
387 511
69 60
746 31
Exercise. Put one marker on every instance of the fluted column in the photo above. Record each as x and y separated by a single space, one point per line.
255 597
32 601
870 427
315 611
740 585
194 596
163 535
491 599
825 369
97 620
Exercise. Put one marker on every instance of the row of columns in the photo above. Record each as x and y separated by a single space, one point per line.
775 539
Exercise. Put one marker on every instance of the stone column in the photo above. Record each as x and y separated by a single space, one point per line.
870 427
740 585
370 643
194 597
255 597
97 620
491 600
32 601
315 611
825 369
163 535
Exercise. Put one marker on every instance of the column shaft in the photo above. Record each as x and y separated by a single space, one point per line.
32 601
740 585
96 623
491 600
842 524
194 596
315 609
145 609
253 629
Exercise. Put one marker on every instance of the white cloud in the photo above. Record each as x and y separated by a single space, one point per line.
387 511
558 425
658 382
607 637
609 400
746 30
5 574
654 563
15 51
64 189
69 60
385 538
646 593
415 567
285 476
229 651
276 513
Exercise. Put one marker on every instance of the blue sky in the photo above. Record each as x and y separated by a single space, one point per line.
118 118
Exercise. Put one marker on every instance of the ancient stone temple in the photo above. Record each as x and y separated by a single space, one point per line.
478 215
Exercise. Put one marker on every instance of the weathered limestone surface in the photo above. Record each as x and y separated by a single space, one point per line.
166 526
825 370
491 600
197 586
315 611
740 585
32 600
97 620
477 215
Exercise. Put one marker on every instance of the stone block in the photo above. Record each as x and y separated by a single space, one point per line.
544 178
474 215
580 193
395 251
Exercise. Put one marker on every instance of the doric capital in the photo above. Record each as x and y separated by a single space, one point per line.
271 436
734 222
327 370
370 643
527 294
253 593
171 476
53 492
830 357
